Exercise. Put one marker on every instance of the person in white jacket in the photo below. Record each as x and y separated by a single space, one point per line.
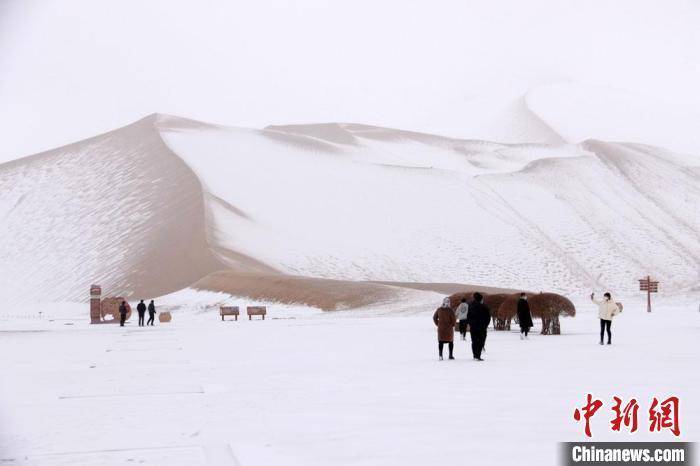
607 309
462 318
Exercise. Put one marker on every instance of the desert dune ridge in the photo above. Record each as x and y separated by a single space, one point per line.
317 213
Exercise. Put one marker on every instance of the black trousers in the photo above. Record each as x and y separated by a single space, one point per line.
605 325
450 346
151 316
463 327
122 319
141 316
478 341
525 330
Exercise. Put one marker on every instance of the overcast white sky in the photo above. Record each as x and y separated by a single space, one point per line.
73 68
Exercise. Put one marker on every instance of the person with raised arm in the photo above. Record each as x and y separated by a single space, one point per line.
607 309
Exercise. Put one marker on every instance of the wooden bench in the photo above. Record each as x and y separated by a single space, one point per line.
256 311
229 311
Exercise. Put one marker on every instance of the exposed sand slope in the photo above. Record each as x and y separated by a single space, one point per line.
325 294
118 209
329 295
450 288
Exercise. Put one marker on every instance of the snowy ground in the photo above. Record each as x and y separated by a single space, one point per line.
318 389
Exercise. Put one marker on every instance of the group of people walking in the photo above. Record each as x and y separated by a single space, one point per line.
476 316
141 309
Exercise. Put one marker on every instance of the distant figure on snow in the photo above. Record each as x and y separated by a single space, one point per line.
151 313
444 318
122 313
607 309
478 319
524 316
141 307
462 318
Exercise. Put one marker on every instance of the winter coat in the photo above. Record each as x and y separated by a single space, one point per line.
445 320
607 309
151 308
122 309
462 311
524 315
141 307
478 316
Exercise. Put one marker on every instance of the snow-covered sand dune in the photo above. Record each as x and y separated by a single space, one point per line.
158 205
118 209
576 112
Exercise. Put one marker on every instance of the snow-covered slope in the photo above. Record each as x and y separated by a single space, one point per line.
577 112
517 123
158 205
357 202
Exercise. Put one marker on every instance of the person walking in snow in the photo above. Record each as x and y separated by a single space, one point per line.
151 313
478 319
462 318
141 308
444 318
607 309
524 316
122 313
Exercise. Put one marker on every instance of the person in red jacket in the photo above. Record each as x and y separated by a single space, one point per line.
444 318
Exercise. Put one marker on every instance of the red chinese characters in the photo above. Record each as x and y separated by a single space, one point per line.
626 415
588 411
664 415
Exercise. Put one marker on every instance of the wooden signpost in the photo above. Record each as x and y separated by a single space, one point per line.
646 284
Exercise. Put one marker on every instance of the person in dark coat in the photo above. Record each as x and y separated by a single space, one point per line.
141 307
478 319
151 313
524 316
444 318
122 313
